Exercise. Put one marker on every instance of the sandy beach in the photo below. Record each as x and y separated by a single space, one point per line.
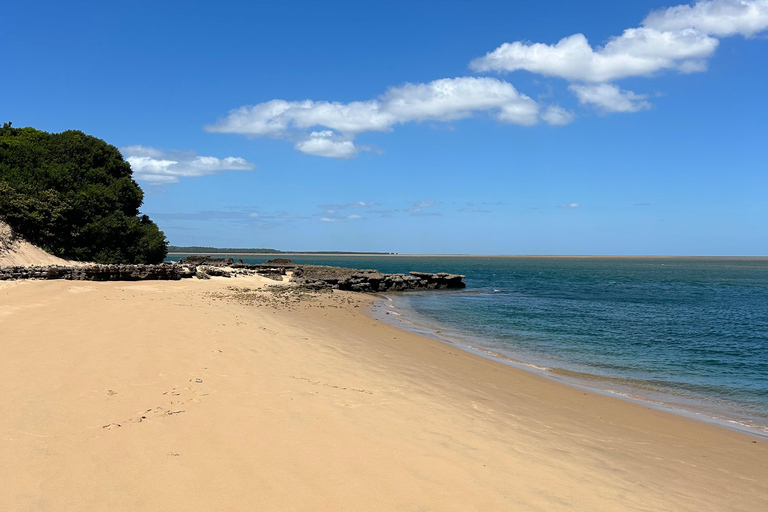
195 396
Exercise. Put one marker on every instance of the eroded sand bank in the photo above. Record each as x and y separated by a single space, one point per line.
191 396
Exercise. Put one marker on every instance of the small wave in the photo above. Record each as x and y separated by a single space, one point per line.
498 355
480 292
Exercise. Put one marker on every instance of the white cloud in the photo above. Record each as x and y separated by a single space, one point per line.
419 209
569 206
325 143
719 18
337 218
680 38
334 212
557 116
609 98
637 52
447 99
160 167
354 204
277 118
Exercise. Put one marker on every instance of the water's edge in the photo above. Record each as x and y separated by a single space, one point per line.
389 310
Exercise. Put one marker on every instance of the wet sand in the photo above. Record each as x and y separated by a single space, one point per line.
194 396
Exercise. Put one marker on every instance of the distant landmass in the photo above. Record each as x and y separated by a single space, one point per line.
218 250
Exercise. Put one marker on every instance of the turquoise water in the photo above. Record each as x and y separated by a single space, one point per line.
689 333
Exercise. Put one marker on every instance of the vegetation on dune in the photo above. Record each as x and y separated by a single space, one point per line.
74 196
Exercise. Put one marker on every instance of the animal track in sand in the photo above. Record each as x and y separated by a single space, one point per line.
319 383
179 399
157 412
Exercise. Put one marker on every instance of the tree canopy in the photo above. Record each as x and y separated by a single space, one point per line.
74 196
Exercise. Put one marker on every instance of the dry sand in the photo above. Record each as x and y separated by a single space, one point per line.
188 396
17 251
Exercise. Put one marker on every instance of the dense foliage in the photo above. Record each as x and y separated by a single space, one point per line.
73 195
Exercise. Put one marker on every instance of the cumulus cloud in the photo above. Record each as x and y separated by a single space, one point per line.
609 98
719 18
326 143
160 167
680 38
637 52
557 116
450 99
447 99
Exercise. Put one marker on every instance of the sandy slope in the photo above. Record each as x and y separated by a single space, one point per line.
188 396
17 251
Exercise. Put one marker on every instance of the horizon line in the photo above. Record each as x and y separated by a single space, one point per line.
392 254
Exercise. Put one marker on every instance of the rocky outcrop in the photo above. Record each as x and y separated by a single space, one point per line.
318 276
208 261
162 272
441 280
312 276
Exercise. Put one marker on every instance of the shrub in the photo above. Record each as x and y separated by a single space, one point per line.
74 196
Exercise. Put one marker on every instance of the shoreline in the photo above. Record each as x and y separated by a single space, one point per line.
522 256
254 400
412 321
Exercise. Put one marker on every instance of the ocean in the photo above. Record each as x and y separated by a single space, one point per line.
687 334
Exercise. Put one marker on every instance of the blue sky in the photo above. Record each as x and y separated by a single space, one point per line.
594 127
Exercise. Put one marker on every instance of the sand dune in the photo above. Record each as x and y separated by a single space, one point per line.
197 396
17 251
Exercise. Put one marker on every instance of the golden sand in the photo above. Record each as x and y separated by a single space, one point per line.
191 396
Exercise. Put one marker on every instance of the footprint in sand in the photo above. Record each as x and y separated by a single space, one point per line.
349 405
157 412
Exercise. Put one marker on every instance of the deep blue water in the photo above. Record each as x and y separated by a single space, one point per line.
690 333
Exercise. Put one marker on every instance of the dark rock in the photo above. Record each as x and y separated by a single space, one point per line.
208 260
312 276
214 271
373 280
279 261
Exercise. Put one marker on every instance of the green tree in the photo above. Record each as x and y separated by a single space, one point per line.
73 195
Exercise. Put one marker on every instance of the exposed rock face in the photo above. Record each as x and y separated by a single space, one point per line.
213 271
319 276
313 276
209 261
441 280
97 272
279 261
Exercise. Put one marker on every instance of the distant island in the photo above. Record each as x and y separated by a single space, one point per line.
218 250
